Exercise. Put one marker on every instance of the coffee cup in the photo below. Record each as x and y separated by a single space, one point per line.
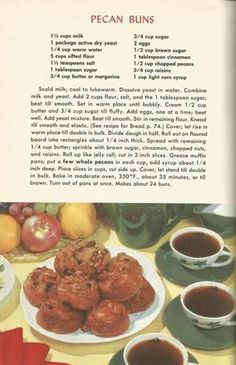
198 248
152 347
209 304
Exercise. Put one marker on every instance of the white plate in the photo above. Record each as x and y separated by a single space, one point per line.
138 321
8 279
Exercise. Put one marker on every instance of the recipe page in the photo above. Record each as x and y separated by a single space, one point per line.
117 182
132 99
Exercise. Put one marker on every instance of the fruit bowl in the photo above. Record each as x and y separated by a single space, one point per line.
19 254
66 214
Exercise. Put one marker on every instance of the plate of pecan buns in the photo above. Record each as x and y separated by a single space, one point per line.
88 293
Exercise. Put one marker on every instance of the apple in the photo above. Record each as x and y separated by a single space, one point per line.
40 232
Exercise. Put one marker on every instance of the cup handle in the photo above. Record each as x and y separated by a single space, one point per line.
224 263
230 323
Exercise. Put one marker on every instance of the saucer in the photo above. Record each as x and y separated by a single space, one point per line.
117 359
186 332
177 273
7 280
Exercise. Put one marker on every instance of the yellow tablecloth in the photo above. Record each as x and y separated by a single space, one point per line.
11 316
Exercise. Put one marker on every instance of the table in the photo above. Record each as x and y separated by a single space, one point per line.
11 315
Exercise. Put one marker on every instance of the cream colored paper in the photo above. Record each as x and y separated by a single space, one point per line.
203 27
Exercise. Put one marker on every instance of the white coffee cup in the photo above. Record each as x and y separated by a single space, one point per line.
206 321
155 336
199 263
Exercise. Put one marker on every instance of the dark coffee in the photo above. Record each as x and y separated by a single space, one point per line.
155 352
196 244
209 301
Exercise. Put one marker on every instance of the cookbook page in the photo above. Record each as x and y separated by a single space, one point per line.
133 99
116 153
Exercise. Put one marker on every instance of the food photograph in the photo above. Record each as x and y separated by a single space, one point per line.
117 283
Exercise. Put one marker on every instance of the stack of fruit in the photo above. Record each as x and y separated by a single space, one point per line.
37 227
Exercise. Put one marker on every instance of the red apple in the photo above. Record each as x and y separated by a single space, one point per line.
40 232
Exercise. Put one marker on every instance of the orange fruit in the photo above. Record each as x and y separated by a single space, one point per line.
77 219
10 233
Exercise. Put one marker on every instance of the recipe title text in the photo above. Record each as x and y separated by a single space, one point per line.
148 19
